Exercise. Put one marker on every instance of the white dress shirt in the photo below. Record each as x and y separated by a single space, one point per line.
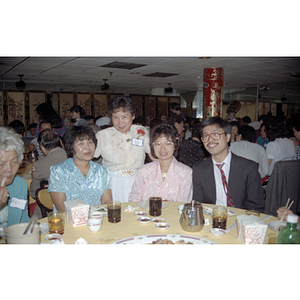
221 198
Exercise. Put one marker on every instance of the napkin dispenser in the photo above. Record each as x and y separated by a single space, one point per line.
77 212
251 230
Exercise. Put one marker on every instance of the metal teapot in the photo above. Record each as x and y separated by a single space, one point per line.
191 218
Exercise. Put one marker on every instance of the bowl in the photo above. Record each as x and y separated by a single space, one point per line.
162 225
217 231
158 220
140 213
180 208
53 237
144 220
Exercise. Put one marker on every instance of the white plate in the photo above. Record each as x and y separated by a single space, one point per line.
148 239
208 211
272 225
44 228
141 204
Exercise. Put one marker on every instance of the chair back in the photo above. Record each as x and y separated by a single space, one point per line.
284 183
44 201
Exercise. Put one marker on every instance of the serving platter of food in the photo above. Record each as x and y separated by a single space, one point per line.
164 239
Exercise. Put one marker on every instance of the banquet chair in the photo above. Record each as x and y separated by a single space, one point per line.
284 183
44 201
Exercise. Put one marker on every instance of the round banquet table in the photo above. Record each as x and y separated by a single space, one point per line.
130 227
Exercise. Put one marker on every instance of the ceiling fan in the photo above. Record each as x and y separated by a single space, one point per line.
169 89
20 84
105 86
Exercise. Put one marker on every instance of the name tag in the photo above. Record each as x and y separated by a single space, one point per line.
137 142
18 203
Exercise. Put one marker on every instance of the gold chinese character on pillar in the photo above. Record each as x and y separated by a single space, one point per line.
212 92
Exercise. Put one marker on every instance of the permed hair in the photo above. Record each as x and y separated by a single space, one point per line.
169 131
277 129
10 141
121 103
74 133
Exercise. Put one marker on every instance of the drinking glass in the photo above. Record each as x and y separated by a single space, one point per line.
219 217
114 211
56 222
155 204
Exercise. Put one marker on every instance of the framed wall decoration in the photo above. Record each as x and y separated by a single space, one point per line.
138 101
35 99
66 101
100 105
149 109
16 106
85 100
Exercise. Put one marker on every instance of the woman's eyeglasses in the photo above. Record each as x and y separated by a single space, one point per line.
214 135
159 144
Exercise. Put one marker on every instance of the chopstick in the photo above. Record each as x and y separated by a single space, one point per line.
279 223
3 181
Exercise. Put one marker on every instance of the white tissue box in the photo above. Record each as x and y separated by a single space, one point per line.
77 212
251 230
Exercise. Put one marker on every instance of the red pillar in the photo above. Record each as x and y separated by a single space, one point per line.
212 92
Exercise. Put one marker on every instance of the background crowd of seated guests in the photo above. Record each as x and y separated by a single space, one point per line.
122 144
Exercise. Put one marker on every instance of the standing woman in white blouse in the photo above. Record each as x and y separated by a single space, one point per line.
123 147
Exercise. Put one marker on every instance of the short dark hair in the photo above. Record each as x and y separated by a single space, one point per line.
175 106
78 109
277 129
248 133
90 117
246 119
32 125
49 139
196 131
121 103
218 121
77 132
226 126
235 123
18 126
168 131
175 119
296 124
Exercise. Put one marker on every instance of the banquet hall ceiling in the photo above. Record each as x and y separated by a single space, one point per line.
151 75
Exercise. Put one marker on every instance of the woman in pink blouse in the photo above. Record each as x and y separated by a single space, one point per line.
165 177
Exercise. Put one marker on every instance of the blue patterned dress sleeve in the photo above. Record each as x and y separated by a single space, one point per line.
66 178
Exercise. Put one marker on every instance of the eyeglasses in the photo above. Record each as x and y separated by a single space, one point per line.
158 145
215 136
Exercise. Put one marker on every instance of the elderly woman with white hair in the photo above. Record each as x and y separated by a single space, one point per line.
13 189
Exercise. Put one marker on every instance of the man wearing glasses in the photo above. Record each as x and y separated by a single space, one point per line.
225 178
